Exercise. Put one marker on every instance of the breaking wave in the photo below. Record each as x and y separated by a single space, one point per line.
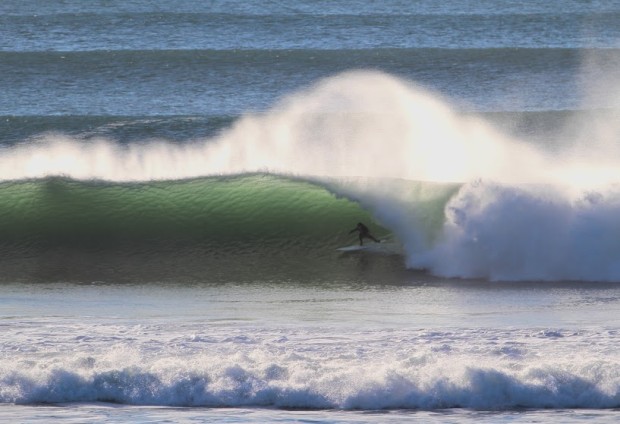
464 199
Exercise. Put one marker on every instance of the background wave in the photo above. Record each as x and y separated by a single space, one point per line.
342 28
235 81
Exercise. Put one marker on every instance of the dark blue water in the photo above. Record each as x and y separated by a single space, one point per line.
181 58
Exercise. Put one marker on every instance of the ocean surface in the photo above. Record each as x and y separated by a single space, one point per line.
177 176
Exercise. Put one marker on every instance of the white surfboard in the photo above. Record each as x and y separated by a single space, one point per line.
386 247
354 248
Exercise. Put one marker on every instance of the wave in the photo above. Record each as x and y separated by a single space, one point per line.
480 388
463 199
213 210
286 371
534 56
349 7
220 227
22 129
226 228
233 82
88 31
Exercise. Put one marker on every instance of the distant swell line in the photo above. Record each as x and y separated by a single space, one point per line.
295 53
397 60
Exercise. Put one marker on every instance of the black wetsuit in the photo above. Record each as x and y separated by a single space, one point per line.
364 232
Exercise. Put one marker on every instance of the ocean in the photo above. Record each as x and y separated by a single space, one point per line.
177 176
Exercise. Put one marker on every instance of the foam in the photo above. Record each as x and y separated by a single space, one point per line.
400 370
505 232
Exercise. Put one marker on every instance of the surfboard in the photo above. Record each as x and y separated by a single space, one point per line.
383 248
354 248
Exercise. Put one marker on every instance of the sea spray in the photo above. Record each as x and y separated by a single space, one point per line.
369 124
362 124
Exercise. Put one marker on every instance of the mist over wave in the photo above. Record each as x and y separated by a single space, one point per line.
363 124
522 212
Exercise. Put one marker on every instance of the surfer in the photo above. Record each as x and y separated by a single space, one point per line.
364 233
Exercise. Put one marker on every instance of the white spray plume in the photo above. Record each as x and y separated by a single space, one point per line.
366 124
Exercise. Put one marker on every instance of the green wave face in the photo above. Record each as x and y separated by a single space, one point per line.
244 209
252 226
208 229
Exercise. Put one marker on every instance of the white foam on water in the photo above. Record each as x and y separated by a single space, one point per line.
313 368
